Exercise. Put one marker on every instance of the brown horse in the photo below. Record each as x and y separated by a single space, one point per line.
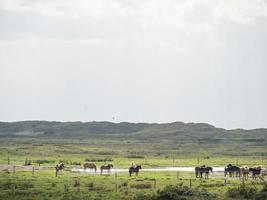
134 169
203 169
256 171
90 166
232 170
244 172
106 167
59 167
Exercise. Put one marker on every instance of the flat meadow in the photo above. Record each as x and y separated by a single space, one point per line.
34 177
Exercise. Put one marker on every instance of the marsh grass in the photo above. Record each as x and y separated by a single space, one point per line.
42 184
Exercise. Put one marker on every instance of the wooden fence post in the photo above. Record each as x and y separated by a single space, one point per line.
32 170
116 187
13 189
66 189
190 182
116 175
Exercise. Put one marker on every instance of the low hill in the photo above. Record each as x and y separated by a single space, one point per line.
197 132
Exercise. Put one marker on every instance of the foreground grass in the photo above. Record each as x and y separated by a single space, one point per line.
42 184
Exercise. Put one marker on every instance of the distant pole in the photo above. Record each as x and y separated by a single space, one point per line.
32 170
66 189
116 175
13 189
190 182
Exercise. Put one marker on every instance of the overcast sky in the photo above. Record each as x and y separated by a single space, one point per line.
134 60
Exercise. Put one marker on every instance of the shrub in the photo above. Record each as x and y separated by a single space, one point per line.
124 184
144 196
27 162
98 160
243 191
90 186
43 161
141 186
182 193
25 185
135 156
76 183
75 163
262 194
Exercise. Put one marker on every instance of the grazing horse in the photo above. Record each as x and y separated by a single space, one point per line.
233 171
59 167
244 171
135 169
106 167
90 166
203 169
255 171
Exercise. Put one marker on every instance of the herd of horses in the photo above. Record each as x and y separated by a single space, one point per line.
92 166
200 171
133 169
235 171
230 170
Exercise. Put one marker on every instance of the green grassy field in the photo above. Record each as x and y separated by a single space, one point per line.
43 184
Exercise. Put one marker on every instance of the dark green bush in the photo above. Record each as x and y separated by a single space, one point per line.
135 156
76 183
98 159
75 163
124 184
141 186
182 193
262 194
144 196
90 186
43 161
244 191
27 162
24 185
